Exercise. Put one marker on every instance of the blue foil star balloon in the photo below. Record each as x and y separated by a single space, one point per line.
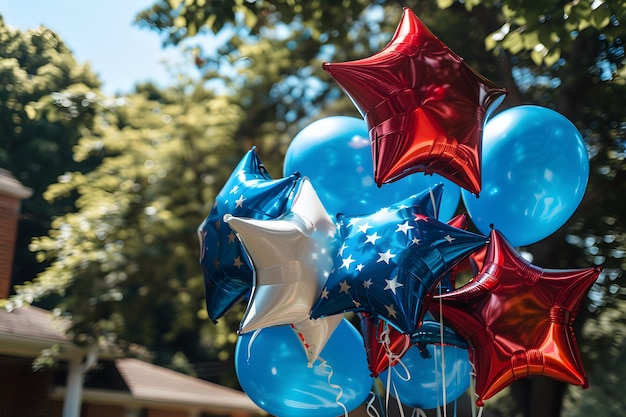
390 261
249 192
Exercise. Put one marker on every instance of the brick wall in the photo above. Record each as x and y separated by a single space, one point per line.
23 393
101 410
11 194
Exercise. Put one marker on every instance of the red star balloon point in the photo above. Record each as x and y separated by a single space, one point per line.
518 319
424 106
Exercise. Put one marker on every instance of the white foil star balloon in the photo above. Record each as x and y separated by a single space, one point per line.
292 258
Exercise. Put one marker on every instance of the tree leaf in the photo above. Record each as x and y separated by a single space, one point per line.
513 42
490 42
552 56
601 17
536 56
180 21
31 112
531 39
174 3
444 4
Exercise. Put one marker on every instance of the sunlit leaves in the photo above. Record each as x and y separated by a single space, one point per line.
182 19
554 24
552 56
130 248
601 17
514 42
45 103
444 4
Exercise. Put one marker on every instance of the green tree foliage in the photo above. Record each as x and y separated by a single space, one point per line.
272 56
126 260
45 100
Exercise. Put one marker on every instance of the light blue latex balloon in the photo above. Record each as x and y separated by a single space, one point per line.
535 170
272 369
423 385
336 154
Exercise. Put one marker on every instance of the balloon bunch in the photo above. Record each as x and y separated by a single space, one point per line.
354 228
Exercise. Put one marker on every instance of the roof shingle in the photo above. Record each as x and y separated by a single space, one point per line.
33 322
153 383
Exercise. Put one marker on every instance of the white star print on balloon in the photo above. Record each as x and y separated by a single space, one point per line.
393 274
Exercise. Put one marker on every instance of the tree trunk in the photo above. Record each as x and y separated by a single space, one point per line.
539 396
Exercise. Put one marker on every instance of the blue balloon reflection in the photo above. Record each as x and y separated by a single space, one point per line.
336 154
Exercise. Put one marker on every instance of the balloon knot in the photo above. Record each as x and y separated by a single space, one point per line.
423 351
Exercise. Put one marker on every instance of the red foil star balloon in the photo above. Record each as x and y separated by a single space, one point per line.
470 265
384 344
517 319
424 106
448 281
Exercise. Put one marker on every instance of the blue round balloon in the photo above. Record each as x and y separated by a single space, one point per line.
420 382
271 366
535 170
336 154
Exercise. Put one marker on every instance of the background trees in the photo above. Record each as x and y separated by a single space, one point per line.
131 178
46 98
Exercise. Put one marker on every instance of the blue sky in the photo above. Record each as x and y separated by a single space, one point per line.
101 33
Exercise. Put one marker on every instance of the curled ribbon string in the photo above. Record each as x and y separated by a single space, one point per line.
371 410
326 368
443 363
395 391
252 338
432 199
473 391
379 396
393 357
387 391
418 412
437 380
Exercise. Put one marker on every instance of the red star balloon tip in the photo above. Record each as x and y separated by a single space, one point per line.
424 106
518 319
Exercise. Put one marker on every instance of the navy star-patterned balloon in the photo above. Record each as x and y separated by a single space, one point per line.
249 192
390 261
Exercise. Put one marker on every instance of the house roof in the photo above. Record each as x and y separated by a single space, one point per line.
152 383
32 322
25 331
12 187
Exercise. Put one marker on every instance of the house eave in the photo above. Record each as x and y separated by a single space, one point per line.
31 347
108 397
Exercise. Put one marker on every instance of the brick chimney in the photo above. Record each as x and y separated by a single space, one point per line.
11 194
